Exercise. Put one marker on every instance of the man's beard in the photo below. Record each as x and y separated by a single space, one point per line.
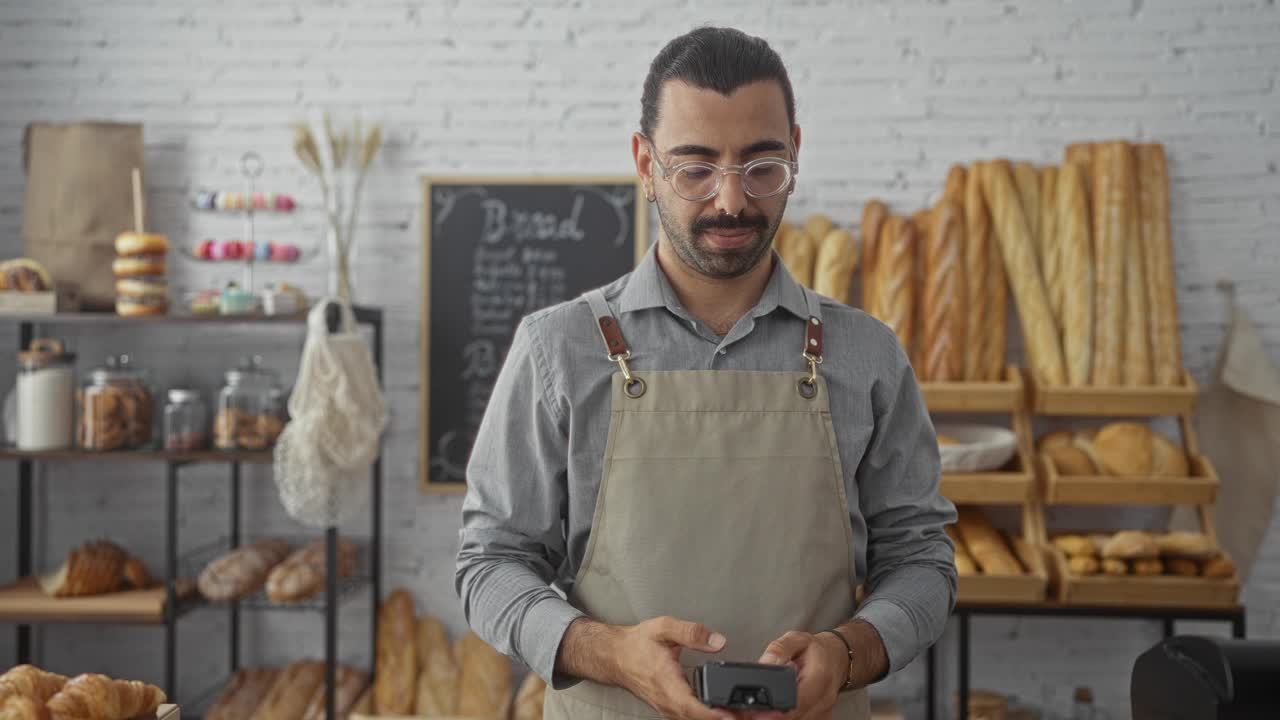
718 263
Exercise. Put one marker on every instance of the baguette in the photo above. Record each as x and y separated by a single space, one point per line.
437 671
817 225
528 702
800 253
965 566
978 277
781 235
1050 244
1026 554
349 683
97 697
1157 251
837 260
1076 257
1081 155
943 308
874 214
985 543
396 666
1011 232
896 278
1112 180
243 693
484 686
1136 369
291 692
241 571
1027 181
997 287
302 574
957 181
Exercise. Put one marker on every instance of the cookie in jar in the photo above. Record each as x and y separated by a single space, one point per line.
116 407
250 408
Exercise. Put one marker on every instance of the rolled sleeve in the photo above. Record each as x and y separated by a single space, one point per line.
911 577
512 539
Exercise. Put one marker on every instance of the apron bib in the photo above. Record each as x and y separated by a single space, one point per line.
721 501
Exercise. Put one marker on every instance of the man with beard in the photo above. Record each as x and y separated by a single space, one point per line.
707 457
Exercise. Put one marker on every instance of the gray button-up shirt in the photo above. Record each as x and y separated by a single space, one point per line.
535 468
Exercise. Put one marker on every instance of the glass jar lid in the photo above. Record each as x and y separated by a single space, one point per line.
251 372
117 367
45 352
183 396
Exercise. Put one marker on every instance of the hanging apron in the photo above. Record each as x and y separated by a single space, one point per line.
722 502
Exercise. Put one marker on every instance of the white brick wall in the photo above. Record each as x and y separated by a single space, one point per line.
889 94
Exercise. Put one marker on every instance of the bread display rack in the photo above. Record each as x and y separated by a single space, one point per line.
1013 486
1198 490
23 604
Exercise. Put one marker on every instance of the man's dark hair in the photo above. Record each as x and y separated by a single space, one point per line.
711 58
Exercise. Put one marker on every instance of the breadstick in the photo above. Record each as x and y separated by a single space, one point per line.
1027 181
978 277
1076 253
1112 175
1043 346
1157 250
837 258
943 311
896 278
874 214
1050 246
954 189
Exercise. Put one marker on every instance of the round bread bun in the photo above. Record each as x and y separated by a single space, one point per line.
1124 448
138 266
1071 460
142 288
132 243
133 307
1055 439
1167 459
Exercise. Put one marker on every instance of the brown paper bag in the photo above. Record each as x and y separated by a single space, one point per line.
79 197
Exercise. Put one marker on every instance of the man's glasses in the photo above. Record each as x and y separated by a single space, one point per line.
696 180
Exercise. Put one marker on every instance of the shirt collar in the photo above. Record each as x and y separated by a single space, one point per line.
648 287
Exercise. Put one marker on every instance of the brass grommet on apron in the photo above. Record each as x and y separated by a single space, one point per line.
808 386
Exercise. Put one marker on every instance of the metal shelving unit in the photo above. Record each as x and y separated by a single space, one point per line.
174 608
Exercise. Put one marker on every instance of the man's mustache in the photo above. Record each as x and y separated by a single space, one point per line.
729 222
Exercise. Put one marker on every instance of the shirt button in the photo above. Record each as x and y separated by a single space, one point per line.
724 352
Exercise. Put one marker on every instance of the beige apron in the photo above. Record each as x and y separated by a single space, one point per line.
722 502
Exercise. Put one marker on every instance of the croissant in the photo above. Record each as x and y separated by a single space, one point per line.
98 697
93 568
31 682
21 707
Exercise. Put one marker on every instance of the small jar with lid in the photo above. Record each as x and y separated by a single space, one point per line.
46 386
250 408
186 421
116 407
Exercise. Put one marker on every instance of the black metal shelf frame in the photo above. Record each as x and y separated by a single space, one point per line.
335 588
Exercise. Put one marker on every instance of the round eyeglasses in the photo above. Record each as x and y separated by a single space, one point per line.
697 180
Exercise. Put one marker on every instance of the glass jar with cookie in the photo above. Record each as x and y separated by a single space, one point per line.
250 408
116 407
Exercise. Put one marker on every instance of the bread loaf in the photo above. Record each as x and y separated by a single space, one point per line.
1050 246
243 693
1057 438
1157 253
801 251
93 568
528 702
1114 566
817 225
484 689
953 190
302 574
1075 253
349 683
1011 232
292 690
1131 545
1124 449
1027 182
874 214
241 571
980 276
895 278
1075 545
943 311
1027 555
781 235
1083 565
1136 358
1220 567
1167 459
1112 217
837 259
1190 545
1148 567
965 567
1084 441
396 666
98 697
437 671
1182 566
1071 460
985 543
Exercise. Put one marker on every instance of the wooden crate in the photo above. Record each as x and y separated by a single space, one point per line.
1115 401
25 601
1201 487
1006 395
1032 587
1163 591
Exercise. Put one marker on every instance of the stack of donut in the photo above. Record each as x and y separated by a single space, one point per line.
139 267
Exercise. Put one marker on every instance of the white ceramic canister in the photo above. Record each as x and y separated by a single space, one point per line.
46 396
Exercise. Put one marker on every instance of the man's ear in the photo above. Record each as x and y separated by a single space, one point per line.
795 144
642 153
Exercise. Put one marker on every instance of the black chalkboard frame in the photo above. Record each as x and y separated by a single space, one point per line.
641 237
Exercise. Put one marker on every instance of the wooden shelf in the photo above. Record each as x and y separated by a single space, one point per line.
1115 401
363 315
1004 396
24 601
1156 591
1006 589
994 488
1200 488
245 456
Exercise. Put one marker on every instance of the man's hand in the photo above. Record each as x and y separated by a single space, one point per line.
822 664
644 659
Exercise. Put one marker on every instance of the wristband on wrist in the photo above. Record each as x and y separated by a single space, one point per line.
848 678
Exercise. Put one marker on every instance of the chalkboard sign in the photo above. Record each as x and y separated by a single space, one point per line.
493 251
